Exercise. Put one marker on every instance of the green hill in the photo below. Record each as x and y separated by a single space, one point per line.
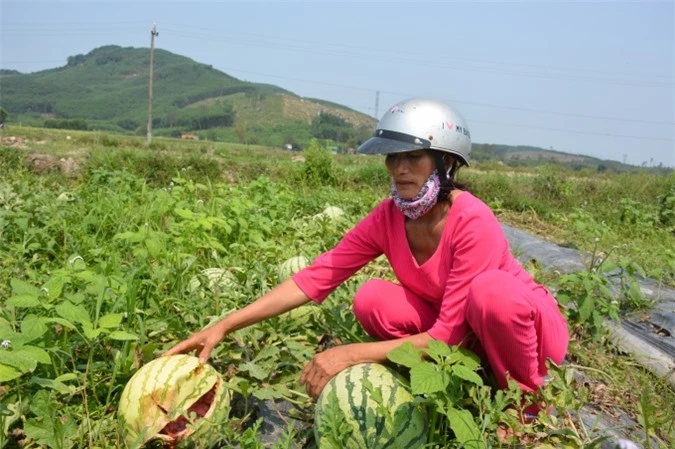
107 89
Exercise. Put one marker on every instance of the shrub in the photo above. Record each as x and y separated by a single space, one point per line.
77 124
319 167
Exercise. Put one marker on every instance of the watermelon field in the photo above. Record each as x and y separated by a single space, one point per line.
112 251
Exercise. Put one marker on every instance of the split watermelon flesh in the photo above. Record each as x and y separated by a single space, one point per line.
170 399
198 410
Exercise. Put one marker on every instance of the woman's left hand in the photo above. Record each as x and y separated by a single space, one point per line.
324 366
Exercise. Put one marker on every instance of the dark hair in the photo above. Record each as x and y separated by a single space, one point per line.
448 183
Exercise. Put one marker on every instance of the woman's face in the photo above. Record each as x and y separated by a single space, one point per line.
409 171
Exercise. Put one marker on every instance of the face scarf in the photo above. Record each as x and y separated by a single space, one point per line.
423 202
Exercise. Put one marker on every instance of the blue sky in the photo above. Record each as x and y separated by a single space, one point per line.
584 78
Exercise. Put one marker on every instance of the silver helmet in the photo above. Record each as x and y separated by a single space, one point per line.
420 123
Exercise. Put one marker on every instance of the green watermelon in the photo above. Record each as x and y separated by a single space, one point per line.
332 213
217 280
368 406
291 266
171 398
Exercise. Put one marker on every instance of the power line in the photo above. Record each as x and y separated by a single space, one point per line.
417 62
30 62
407 94
452 100
466 102
436 63
68 24
276 40
380 50
574 131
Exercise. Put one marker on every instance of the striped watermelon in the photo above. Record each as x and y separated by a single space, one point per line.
291 266
333 212
368 406
330 213
171 398
217 280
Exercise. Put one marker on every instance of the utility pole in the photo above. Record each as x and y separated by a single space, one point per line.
153 33
377 105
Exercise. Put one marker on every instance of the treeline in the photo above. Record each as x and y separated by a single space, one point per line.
327 126
76 124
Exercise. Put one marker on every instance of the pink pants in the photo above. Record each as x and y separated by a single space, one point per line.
517 328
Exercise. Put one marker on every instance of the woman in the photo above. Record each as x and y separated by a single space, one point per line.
458 281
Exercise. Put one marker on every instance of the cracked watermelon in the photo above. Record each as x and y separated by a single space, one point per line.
172 398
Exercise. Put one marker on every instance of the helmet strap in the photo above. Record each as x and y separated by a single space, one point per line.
444 175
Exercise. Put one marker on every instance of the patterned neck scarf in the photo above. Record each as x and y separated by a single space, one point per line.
423 202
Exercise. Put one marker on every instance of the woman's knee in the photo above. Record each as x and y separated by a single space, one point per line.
489 290
369 297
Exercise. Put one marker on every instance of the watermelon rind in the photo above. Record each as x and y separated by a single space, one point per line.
291 266
163 390
215 280
372 408
332 213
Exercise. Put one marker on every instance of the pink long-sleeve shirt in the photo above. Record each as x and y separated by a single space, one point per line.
472 242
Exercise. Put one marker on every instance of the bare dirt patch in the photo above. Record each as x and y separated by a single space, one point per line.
14 142
42 163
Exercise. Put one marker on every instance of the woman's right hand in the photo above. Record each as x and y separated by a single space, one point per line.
282 298
203 341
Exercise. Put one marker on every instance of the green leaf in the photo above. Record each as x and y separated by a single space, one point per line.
468 358
5 327
73 313
270 392
426 378
184 213
54 286
465 428
110 320
467 374
48 428
90 333
33 327
23 300
38 354
54 384
437 350
607 266
586 308
66 377
20 287
122 336
267 353
77 263
61 321
406 355
154 246
205 223
23 361
8 373
255 370
132 237
563 298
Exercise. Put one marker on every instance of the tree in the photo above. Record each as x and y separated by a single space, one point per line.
241 130
3 115
330 126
